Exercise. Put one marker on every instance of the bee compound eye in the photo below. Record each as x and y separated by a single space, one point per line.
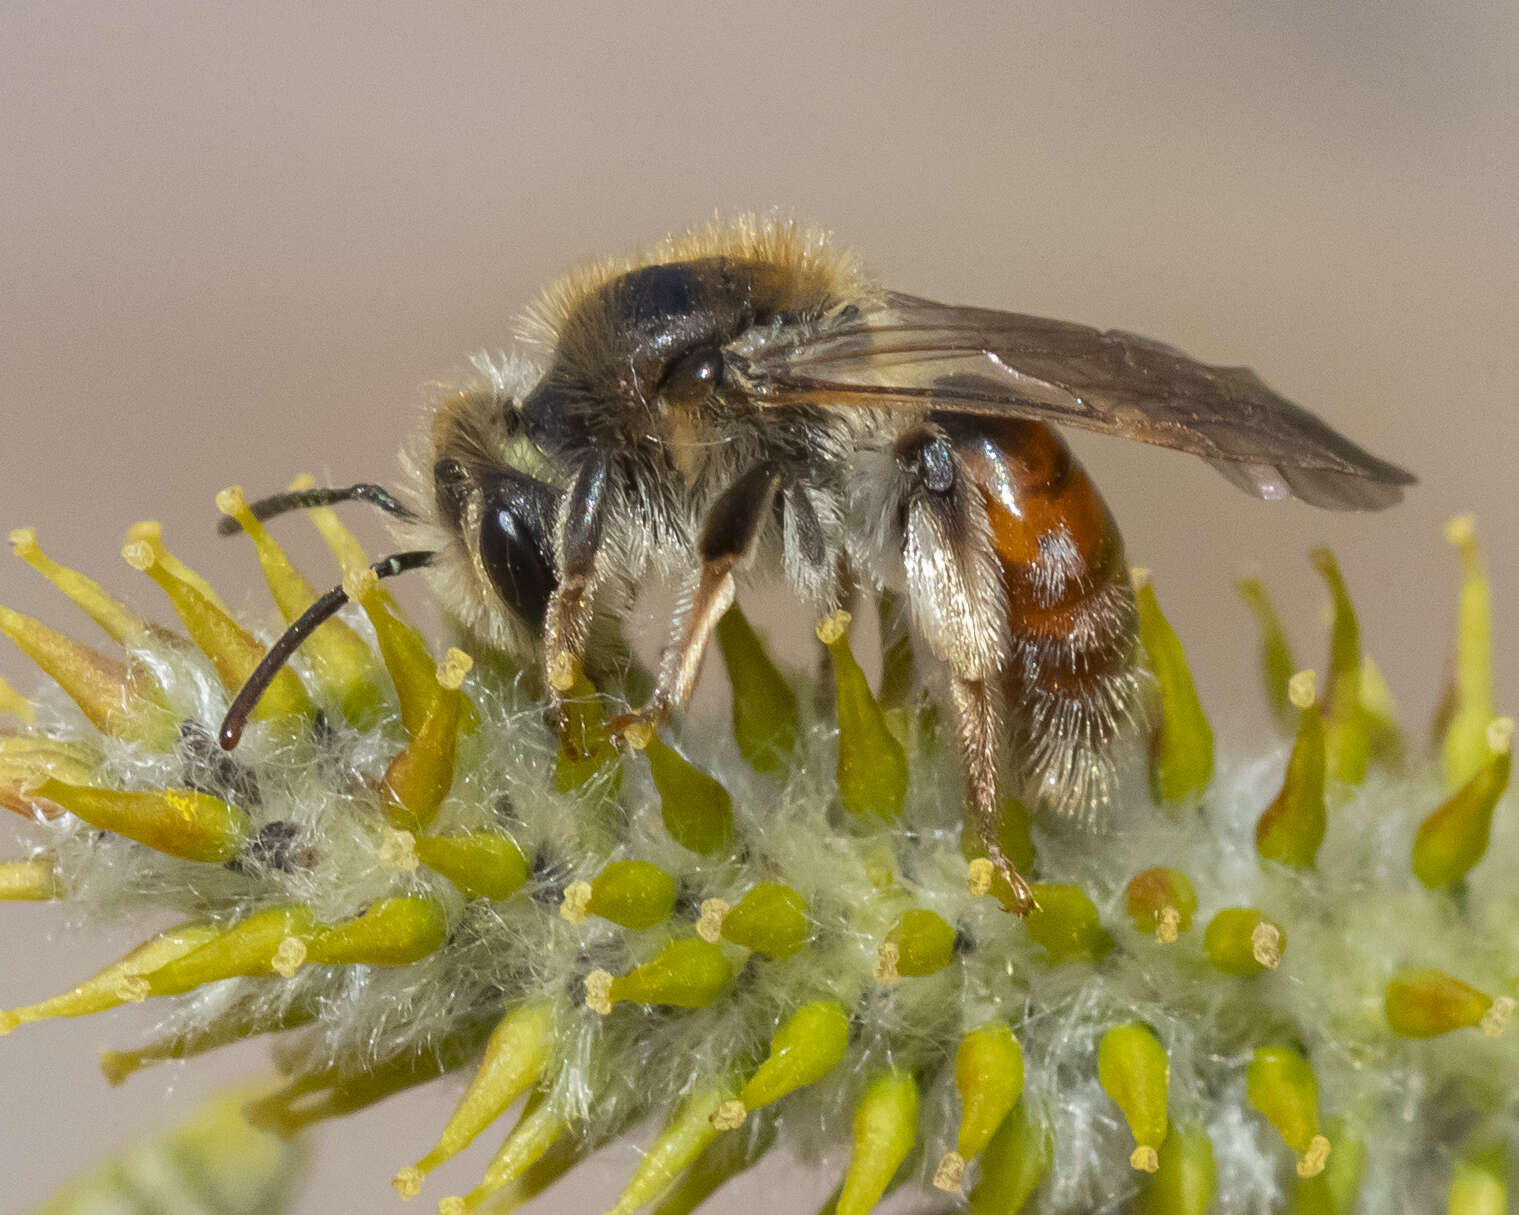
518 570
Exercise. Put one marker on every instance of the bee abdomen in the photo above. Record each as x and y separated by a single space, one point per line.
1072 678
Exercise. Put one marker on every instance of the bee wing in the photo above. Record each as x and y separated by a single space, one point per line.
906 352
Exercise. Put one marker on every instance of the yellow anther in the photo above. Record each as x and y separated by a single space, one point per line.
729 1116
638 734
710 926
1302 689
577 898
1266 944
289 957
398 851
598 992
978 877
887 958
1315 1158
949 1173
1144 1159
231 500
455 666
1168 925
1496 1019
833 626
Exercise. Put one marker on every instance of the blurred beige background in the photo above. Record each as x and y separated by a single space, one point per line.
234 240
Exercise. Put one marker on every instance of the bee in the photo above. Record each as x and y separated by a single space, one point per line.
746 397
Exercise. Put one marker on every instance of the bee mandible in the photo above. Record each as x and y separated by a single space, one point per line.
745 396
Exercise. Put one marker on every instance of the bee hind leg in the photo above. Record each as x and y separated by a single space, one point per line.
980 718
959 606
728 538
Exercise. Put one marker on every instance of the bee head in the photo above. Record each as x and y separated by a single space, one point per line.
494 517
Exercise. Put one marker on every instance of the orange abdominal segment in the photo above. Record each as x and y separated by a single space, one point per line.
1070 610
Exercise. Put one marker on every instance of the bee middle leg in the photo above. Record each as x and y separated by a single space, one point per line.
728 538
959 605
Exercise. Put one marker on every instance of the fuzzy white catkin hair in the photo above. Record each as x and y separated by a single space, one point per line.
1250 997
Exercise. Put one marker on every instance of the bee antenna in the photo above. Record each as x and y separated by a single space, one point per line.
305 499
290 640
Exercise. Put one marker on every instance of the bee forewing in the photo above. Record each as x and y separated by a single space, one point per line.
914 353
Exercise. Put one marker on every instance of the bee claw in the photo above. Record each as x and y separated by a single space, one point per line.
1022 903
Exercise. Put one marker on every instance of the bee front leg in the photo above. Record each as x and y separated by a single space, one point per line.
728 537
959 605
567 619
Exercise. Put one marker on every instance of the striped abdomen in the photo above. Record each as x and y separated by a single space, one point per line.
1071 678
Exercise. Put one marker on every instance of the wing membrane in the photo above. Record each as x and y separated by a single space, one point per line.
915 353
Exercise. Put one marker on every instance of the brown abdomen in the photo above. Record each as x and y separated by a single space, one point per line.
1071 678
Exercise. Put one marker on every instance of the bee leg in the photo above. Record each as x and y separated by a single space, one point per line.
728 537
979 715
959 605
567 619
